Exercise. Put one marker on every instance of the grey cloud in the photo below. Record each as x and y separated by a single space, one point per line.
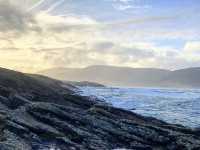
115 49
15 19
103 45
127 55
72 56
138 53
173 63
143 20
171 54
108 26
50 55
74 27
9 49
48 50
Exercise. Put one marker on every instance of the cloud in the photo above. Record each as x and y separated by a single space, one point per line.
13 18
73 40
123 1
54 5
53 45
36 5
119 49
103 46
191 51
192 46
66 23
122 7
126 5
151 19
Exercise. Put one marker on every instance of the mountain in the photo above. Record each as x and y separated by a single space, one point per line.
84 83
37 112
183 78
124 76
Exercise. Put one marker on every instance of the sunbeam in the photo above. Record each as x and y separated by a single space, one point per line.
36 5
54 6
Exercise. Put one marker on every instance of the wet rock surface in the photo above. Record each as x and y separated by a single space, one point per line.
37 113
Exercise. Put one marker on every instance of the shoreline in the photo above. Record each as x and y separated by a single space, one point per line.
40 112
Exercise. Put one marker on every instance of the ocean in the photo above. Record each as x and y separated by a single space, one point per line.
176 106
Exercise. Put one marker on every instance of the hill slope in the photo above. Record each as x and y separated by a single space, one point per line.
37 112
121 76
183 78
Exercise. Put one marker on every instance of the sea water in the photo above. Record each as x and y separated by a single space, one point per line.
177 106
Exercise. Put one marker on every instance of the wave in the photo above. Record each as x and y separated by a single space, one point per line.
177 106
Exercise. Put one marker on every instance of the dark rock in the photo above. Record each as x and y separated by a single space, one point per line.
42 114
85 84
14 101
5 91
2 126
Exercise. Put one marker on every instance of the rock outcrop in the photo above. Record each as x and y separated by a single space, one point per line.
2 126
39 113
85 84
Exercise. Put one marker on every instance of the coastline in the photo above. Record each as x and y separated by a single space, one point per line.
41 113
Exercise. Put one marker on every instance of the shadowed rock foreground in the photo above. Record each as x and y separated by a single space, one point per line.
38 113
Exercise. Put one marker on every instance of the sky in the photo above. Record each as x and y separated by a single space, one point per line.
40 34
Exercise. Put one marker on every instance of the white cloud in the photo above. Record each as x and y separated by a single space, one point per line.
79 41
125 5
192 46
191 51
122 7
123 1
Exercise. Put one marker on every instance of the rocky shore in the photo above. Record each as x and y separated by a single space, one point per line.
38 113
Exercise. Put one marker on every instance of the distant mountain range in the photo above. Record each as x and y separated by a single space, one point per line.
124 76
